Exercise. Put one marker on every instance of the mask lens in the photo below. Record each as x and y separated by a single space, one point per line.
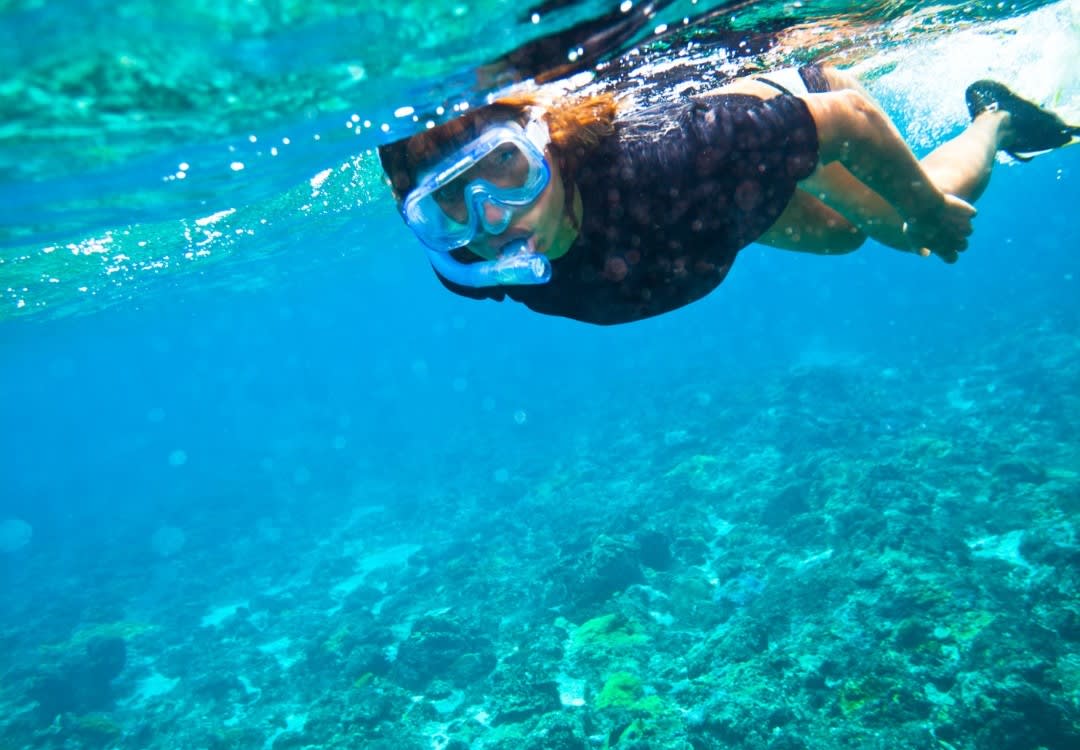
506 166
450 198
499 171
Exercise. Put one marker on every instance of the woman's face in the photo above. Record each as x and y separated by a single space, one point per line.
544 224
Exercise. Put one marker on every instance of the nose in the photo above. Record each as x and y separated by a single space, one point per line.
495 218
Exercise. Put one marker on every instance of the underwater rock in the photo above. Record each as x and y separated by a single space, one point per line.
293 740
787 742
105 659
330 571
367 659
353 649
361 600
1065 622
218 688
93 731
1018 471
743 642
791 501
655 550
869 573
441 648
367 708
806 529
692 550
272 604
858 525
1023 718
612 565
1054 546
81 684
230 738
912 633
780 717
740 590
559 734
527 701
54 695
547 645
399 742
518 697
721 723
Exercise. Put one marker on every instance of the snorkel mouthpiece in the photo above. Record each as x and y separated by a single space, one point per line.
517 265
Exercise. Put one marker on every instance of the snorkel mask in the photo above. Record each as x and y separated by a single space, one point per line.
477 188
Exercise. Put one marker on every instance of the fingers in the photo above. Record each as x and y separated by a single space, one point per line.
945 234
960 205
947 245
951 253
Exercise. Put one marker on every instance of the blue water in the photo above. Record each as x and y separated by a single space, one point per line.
369 350
305 425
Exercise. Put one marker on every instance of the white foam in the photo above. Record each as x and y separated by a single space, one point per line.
1033 54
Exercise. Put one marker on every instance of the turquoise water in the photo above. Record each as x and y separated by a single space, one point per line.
267 485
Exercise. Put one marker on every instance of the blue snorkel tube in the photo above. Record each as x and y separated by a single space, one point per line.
516 265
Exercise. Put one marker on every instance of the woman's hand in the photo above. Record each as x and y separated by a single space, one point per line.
943 231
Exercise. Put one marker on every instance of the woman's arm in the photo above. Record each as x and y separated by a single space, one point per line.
855 132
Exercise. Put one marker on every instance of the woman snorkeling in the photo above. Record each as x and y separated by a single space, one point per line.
594 209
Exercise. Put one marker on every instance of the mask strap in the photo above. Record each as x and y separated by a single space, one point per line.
536 129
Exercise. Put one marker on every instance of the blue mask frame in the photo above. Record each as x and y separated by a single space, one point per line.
516 264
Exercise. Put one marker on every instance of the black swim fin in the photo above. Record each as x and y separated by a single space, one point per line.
1034 128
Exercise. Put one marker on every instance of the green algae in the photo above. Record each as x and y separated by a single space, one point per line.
621 690
607 634
624 691
634 732
866 693
96 728
624 694
970 624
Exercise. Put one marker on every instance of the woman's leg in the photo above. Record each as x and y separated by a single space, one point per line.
865 209
833 183
809 226
854 132
962 166
959 167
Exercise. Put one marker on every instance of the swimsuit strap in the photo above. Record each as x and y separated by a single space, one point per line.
775 85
